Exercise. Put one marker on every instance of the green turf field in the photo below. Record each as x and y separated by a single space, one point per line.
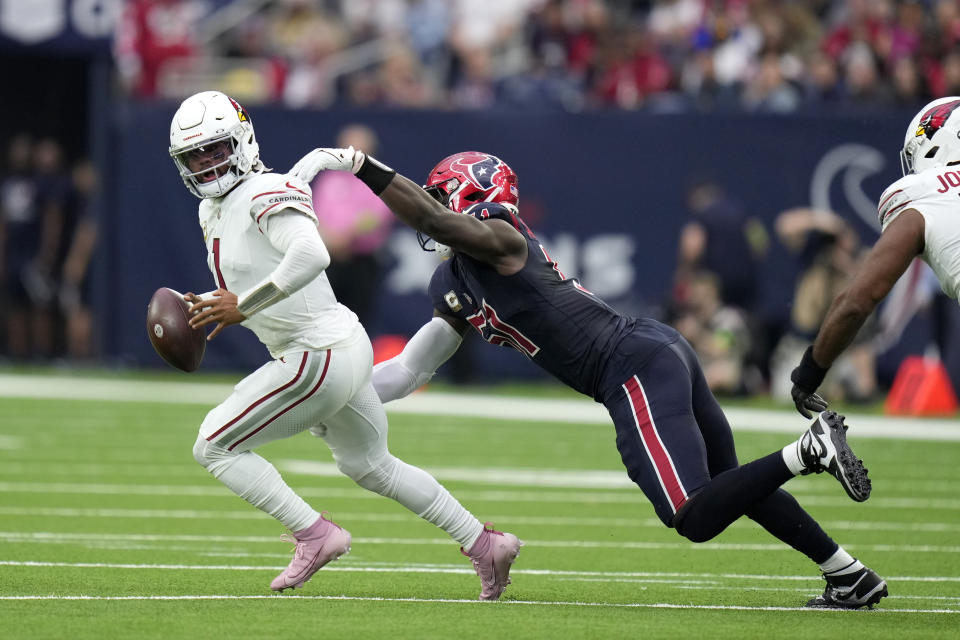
109 529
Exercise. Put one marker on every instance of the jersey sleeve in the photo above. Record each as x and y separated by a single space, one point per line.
447 293
280 193
488 210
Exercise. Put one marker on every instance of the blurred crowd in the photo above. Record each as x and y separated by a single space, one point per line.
47 238
569 55
715 301
755 55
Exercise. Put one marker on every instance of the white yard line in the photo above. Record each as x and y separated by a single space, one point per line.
507 602
353 516
552 410
633 496
50 537
677 577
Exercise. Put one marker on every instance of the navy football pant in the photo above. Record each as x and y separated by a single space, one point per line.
678 447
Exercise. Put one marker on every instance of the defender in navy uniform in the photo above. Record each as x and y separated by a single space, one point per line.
673 437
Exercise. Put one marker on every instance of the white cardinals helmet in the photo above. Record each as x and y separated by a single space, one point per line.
933 137
212 143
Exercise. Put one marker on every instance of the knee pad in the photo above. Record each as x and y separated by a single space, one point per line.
689 524
209 455
374 476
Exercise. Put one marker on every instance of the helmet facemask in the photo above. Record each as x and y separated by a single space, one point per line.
227 171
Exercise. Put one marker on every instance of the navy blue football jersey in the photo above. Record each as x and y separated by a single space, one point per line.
538 311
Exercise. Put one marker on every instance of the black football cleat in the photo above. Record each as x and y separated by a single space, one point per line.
824 448
851 589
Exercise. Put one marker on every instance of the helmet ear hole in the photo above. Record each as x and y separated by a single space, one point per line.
932 152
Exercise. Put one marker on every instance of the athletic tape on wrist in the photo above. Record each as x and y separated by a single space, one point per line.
260 298
375 174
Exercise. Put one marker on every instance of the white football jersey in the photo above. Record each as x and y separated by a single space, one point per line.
241 257
935 193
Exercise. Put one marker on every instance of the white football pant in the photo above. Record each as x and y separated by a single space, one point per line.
330 393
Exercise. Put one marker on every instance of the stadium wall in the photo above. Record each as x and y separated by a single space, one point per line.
604 190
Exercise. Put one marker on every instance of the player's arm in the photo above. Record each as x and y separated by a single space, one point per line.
304 258
900 243
494 242
432 345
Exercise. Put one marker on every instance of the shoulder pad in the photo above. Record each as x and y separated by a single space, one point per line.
270 193
487 210
898 196
207 210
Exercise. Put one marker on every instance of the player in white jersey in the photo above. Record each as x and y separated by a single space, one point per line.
919 217
267 258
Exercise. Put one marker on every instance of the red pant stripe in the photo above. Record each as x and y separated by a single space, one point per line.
659 456
323 374
303 364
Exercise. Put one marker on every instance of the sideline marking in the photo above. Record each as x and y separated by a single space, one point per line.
552 410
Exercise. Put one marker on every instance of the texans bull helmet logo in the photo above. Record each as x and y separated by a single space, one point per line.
478 168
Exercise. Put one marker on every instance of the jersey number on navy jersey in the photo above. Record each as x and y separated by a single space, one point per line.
496 331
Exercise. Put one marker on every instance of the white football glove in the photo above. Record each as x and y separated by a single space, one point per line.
324 159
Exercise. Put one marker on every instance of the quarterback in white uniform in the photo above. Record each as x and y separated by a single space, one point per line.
919 216
268 261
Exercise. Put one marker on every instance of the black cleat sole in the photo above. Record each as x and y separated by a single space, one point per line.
822 603
850 472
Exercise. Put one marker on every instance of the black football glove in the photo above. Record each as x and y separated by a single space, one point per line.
806 378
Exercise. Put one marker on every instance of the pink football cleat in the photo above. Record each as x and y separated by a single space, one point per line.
492 554
317 545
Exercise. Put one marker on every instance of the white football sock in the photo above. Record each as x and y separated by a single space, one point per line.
258 482
448 514
420 492
841 561
791 456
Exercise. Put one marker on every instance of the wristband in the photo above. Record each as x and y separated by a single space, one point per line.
808 375
375 174
260 298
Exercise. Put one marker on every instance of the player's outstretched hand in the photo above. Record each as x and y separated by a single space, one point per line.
324 159
221 308
807 402
806 378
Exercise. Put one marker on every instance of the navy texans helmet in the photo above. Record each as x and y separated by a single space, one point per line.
469 177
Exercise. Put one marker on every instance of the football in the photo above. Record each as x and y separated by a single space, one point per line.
170 333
